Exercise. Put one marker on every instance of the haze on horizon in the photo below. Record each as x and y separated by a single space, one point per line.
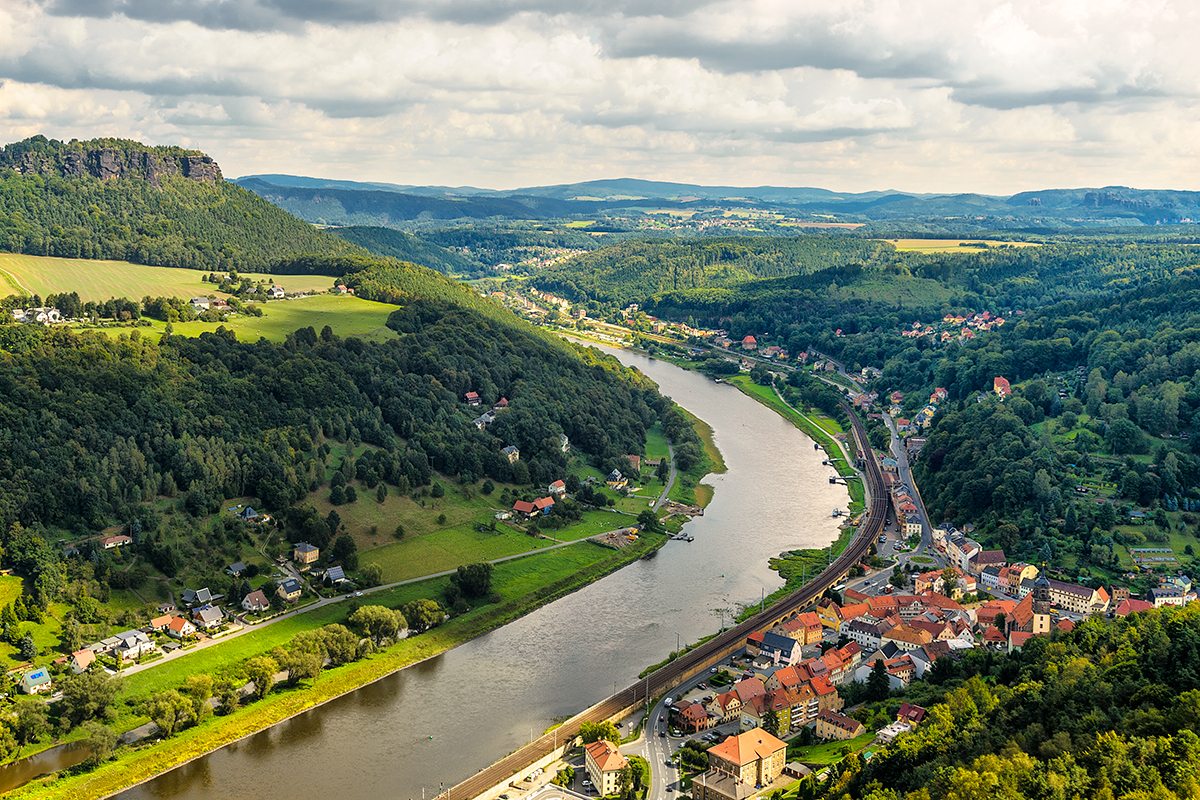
851 95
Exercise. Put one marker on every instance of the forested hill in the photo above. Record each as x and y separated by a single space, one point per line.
406 247
1109 710
122 200
91 428
636 271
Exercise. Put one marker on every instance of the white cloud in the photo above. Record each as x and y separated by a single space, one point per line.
924 95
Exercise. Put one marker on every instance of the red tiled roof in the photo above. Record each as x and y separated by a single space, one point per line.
746 747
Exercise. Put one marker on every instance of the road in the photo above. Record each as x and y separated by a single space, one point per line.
707 654
900 452
662 498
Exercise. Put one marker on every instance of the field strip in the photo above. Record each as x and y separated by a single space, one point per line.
16 284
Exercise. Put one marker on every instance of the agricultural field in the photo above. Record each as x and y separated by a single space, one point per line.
347 316
101 280
951 245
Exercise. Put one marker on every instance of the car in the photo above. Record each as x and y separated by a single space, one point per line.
662 733
358 594
620 724
586 783
702 687
670 788
713 670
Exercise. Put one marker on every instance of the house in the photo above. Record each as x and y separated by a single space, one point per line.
695 717
197 597
543 504
635 462
512 454
208 617
256 601
832 725
159 624
726 707
132 644
604 763
472 398
341 289
557 488
910 713
615 480
35 681
780 649
564 444
289 590
755 712
960 550
984 559
275 292
748 343
907 637
235 569
81 660
180 628
247 514
525 508
336 575
200 303
1132 606
116 541
304 553
1001 387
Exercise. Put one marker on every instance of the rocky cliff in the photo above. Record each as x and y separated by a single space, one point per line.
107 159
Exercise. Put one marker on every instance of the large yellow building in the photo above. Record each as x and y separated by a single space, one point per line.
740 766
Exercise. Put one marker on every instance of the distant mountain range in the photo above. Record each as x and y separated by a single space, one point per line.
338 202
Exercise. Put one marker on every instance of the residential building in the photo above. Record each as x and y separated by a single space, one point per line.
748 343
604 763
511 453
304 554
726 707
615 480
131 645
116 541
81 660
960 550
1001 387
695 717
36 681
756 712
472 398
335 575
256 601
290 590
181 628
984 559
557 488
198 597
832 725
780 649
906 637
1132 606
1077 598
235 569
867 631
208 617
159 624
1166 596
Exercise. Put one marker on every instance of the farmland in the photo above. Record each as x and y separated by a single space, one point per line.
347 316
100 280
951 245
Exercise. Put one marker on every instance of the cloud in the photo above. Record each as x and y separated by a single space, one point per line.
856 94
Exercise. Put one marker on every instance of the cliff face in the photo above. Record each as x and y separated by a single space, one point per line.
107 160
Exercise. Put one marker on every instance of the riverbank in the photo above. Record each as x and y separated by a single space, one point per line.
141 763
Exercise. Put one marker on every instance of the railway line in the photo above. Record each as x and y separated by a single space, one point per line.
710 652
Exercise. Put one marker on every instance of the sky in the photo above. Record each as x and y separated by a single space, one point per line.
850 95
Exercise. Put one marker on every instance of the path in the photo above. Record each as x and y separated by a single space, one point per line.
12 281
901 454
662 498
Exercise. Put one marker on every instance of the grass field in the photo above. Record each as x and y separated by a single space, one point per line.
950 245
101 280
348 316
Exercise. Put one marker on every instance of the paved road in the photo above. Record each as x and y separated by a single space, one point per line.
905 474
662 498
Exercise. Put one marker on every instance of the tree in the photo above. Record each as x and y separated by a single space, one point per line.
564 776
949 581
1125 437
351 494
595 731
199 689
170 710
333 521
337 496
437 491
88 695
345 551
300 666
422 615
650 522
878 682
29 650
260 671
8 742
770 722
1000 621
474 580
898 578
378 623
373 574
381 493
101 742
29 720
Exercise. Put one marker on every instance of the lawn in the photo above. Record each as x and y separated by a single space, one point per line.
448 549
102 280
828 753
656 442
347 316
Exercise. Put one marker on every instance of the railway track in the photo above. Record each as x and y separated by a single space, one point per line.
708 653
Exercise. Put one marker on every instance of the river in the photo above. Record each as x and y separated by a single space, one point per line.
440 721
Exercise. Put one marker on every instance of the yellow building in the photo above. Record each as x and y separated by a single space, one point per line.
740 765
832 725
305 554
604 764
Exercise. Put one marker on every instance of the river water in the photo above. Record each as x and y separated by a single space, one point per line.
440 721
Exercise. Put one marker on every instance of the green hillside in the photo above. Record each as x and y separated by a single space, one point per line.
406 247
125 201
